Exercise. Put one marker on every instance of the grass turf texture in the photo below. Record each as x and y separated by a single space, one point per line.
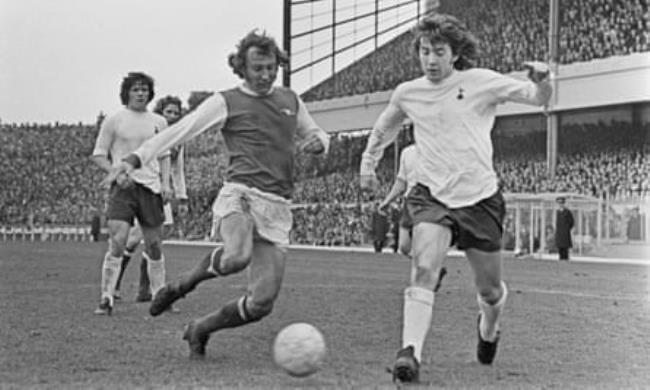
565 326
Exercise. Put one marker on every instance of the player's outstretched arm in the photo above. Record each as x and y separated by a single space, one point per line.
383 134
210 114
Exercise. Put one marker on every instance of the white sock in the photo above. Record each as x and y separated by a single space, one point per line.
110 271
490 315
156 270
418 311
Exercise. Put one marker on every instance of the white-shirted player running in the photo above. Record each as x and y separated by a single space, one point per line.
456 198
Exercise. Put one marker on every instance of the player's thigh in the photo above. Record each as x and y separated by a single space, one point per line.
152 235
118 231
135 236
405 240
236 231
487 269
266 272
429 248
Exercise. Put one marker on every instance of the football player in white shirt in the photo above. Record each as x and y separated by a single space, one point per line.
402 185
138 195
456 198
171 108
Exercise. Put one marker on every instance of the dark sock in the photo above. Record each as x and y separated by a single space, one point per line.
123 265
226 317
144 275
200 273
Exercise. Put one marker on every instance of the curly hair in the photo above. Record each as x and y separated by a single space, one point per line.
131 79
261 41
448 29
165 101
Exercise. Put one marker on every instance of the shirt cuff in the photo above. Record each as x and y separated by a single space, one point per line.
134 160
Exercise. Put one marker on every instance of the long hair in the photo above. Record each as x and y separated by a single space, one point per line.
261 41
448 29
132 78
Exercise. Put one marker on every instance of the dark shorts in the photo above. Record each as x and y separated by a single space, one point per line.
137 201
478 226
405 220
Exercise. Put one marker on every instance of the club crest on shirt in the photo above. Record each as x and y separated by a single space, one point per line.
287 112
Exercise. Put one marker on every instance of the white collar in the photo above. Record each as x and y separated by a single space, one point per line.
249 91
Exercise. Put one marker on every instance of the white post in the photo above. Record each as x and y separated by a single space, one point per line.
599 222
517 227
531 231
607 216
580 231
542 229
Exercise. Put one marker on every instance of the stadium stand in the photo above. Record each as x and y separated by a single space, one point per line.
46 177
512 32
46 180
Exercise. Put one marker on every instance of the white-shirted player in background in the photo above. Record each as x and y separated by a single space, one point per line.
456 198
402 185
136 195
171 108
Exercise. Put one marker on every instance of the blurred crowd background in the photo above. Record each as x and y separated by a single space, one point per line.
47 178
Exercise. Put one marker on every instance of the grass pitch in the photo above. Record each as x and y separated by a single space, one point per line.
565 326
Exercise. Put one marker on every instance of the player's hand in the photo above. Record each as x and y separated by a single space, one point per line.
383 207
119 175
368 183
537 71
312 144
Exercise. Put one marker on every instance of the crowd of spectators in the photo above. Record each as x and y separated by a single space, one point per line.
46 177
509 32
614 163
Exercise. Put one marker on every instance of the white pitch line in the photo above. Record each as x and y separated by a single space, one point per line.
378 286
575 294
451 253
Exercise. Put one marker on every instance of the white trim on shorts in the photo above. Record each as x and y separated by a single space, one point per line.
271 213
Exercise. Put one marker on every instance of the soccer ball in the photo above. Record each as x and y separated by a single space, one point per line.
299 349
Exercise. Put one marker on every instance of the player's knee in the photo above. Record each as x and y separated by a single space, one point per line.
405 248
154 250
424 277
259 308
116 246
132 246
490 294
233 262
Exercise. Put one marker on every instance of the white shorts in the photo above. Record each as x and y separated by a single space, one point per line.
271 213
